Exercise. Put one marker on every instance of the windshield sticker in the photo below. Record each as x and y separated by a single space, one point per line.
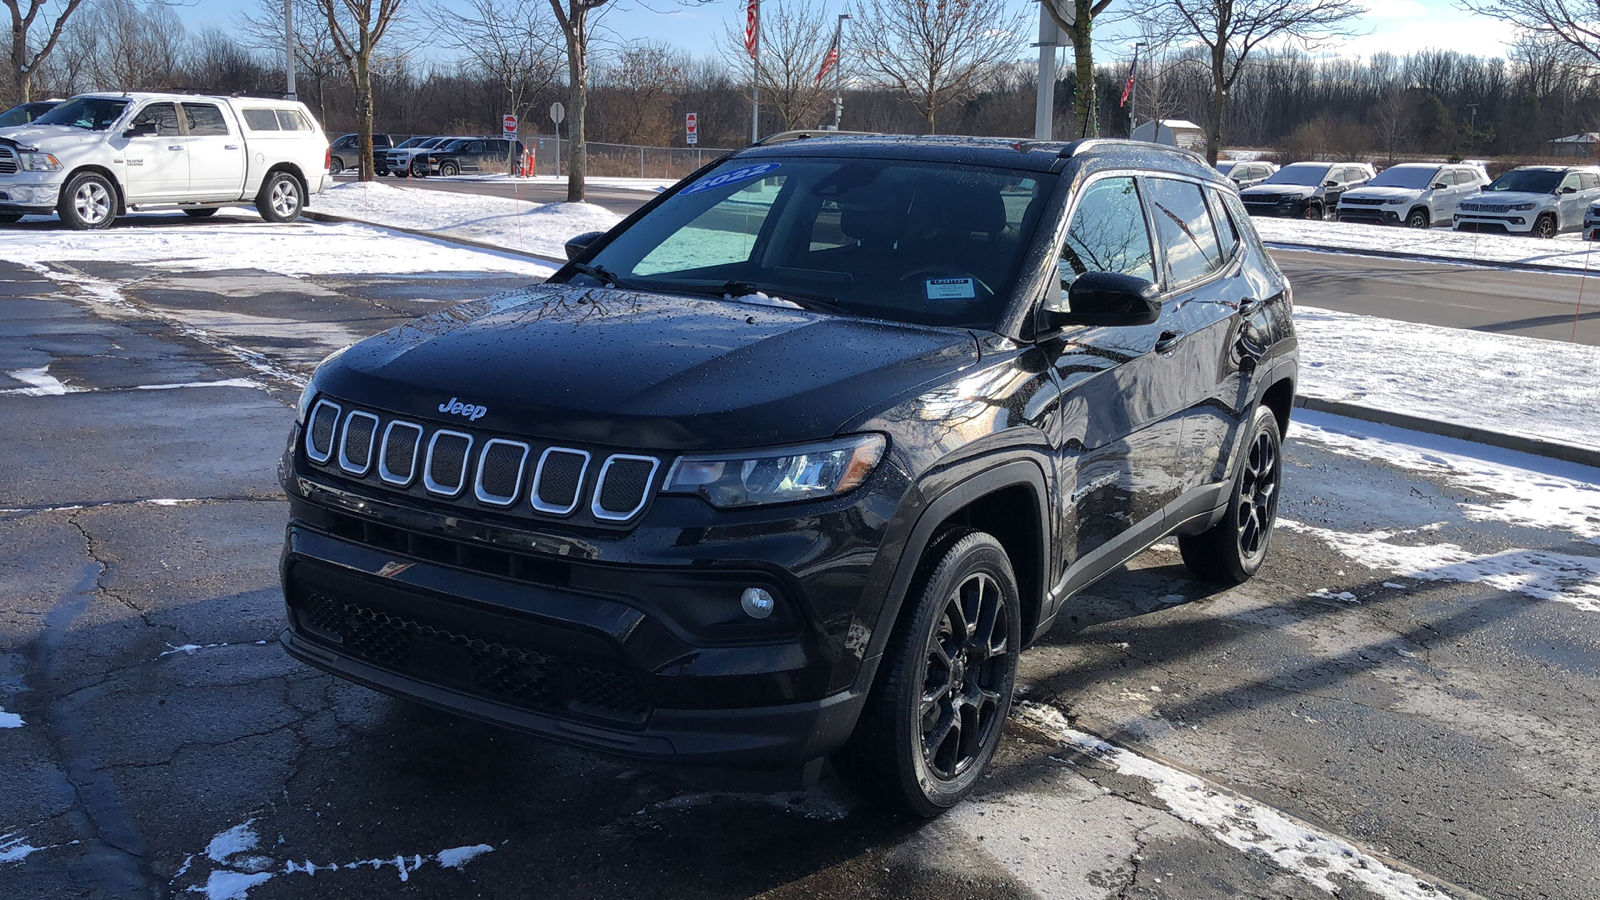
743 173
950 289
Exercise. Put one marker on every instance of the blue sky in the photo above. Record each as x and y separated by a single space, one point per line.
1397 26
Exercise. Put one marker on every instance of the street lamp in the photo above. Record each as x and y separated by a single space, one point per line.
1133 90
1472 129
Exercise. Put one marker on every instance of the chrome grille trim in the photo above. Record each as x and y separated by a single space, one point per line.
345 462
311 428
601 512
577 492
8 161
383 461
427 468
483 456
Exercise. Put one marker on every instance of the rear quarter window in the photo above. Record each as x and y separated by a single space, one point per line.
260 119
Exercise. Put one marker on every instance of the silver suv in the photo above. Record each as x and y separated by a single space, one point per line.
1539 200
1246 172
1418 195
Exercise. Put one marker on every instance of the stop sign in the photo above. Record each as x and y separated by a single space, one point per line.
691 125
508 124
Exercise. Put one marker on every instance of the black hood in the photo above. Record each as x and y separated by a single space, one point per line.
641 370
1288 190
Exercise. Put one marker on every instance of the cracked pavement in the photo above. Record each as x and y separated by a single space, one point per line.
1446 727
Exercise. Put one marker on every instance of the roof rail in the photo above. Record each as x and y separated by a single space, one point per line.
784 137
1078 146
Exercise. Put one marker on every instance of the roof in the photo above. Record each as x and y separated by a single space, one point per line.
140 96
1185 124
1588 137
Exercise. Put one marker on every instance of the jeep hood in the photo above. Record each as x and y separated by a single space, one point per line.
643 370
1538 198
1384 193
1289 190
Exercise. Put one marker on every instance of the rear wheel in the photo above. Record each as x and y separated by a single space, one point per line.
89 202
1545 226
201 213
1233 550
1418 219
939 704
281 198
449 169
335 165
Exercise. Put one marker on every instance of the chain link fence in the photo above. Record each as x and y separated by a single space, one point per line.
623 160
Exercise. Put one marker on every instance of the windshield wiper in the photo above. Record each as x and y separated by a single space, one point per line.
601 273
737 289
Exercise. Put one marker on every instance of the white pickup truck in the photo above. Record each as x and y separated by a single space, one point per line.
96 156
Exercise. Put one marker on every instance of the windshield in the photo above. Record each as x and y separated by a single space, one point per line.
1303 174
928 243
1226 167
409 142
93 113
1528 181
1405 177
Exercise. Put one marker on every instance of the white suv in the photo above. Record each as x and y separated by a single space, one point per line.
1539 200
1418 195
96 156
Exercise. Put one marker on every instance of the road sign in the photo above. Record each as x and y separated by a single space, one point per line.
557 113
508 124
691 124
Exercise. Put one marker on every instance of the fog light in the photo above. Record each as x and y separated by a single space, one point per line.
757 603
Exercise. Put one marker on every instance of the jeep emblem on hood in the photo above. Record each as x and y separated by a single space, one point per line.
463 409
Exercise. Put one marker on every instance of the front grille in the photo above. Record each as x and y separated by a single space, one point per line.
446 469
1364 201
8 161
500 471
1484 207
398 464
1264 198
355 451
558 480
480 664
624 486
319 435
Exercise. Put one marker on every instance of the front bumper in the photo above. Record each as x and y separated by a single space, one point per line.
1510 223
1378 215
36 198
1293 207
1591 229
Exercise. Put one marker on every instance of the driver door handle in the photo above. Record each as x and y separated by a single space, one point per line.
175 147
1168 341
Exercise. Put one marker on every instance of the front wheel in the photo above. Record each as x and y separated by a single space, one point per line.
1313 211
419 168
89 202
281 198
939 704
1233 550
1418 219
449 169
1545 226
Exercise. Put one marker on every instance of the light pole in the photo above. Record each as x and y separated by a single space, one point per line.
1044 108
838 70
1133 90
288 45
1472 129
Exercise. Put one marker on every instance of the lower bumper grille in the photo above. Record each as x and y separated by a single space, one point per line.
514 675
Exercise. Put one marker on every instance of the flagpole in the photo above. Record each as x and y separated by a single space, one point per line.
838 71
1133 92
753 25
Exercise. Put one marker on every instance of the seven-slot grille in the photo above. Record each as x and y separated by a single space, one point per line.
8 161
492 471
1485 207
1364 201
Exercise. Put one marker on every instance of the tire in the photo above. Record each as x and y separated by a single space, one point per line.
88 203
1313 211
281 198
335 165
400 173
1418 218
10 218
919 747
1545 226
1233 550
204 212
419 168
449 169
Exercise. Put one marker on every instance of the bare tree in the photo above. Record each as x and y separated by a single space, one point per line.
131 46
935 51
1230 30
641 81
1392 122
1076 19
314 54
794 39
29 50
1575 23
573 17
512 42
355 28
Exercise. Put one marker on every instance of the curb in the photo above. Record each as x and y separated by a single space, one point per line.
417 232
1583 456
1430 258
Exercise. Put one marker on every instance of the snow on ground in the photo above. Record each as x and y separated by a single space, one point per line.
1317 857
10 720
501 221
1566 252
301 248
14 847
1504 383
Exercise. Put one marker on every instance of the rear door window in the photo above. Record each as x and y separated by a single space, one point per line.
205 120
1188 238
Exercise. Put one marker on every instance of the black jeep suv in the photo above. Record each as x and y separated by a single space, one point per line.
794 461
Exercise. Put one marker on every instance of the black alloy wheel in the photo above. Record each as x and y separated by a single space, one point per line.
1545 226
1313 211
1233 550
1418 219
938 705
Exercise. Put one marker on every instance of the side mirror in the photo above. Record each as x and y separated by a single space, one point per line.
1107 300
147 129
1569 190
1330 184
577 245
1438 186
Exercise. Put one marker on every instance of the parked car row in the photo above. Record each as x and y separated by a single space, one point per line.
1541 201
444 155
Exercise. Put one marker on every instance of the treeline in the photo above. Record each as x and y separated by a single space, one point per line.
1431 102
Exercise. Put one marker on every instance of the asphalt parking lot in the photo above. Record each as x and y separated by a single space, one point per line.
1385 682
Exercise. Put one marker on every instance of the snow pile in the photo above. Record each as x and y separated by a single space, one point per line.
501 221
1503 383
14 847
1566 252
10 720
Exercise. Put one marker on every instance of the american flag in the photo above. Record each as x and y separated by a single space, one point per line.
1128 88
752 27
829 61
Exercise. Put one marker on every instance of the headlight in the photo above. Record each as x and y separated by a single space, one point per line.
303 406
1522 206
779 474
40 162
1396 201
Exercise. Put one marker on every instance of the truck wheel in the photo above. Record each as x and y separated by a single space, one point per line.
449 169
1233 550
939 704
89 202
10 218
204 212
400 173
281 198
335 165
419 168
1545 226
1418 219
